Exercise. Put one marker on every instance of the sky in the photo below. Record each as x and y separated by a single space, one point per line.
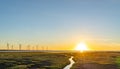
60 24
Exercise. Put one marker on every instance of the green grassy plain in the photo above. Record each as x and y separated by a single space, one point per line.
33 60
58 60
97 60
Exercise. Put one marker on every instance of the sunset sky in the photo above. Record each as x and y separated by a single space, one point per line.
60 24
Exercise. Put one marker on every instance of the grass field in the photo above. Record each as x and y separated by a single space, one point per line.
97 60
33 60
53 60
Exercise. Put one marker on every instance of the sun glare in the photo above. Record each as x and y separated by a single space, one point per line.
81 47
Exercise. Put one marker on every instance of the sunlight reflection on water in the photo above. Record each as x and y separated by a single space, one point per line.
71 63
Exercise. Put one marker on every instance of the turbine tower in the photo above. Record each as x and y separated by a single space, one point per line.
43 48
28 47
20 46
33 48
12 47
36 47
7 46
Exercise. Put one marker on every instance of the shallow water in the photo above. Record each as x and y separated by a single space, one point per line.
71 63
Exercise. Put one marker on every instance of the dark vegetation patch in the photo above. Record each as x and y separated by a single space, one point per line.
33 60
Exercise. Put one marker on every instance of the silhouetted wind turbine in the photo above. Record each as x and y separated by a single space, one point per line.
36 47
7 46
12 47
20 46
43 48
28 47
33 48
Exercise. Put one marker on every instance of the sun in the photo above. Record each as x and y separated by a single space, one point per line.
81 47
